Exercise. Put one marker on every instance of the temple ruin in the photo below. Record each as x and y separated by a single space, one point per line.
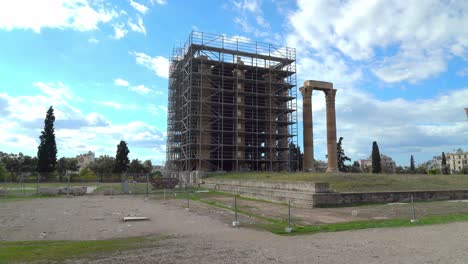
306 90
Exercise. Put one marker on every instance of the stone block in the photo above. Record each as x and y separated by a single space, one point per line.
48 191
3 192
78 191
108 191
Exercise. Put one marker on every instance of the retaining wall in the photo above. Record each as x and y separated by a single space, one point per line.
309 194
299 193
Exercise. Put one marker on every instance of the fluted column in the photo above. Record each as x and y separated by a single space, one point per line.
307 128
331 130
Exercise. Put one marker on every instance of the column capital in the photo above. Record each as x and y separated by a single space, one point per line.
330 94
306 91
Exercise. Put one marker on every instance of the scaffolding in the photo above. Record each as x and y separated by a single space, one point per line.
232 106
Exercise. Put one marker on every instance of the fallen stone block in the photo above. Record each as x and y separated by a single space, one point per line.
108 191
48 191
78 191
3 192
135 218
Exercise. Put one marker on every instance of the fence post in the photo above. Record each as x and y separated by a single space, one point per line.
37 185
147 185
236 221
289 229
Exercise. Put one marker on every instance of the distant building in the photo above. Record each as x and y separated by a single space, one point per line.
365 164
158 168
386 162
85 159
457 160
435 163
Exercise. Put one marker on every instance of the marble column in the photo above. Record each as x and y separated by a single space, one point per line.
331 130
307 128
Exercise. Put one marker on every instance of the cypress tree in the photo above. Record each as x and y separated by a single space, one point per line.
121 158
445 168
412 167
341 157
47 150
376 166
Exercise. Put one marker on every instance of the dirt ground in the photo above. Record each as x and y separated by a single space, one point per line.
203 234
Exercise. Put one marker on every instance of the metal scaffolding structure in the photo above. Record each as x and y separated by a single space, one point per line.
232 105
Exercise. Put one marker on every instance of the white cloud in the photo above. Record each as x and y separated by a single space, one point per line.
159 2
111 104
76 131
247 5
121 82
77 15
463 72
93 40
137 27
398 40
139 7
159 64
141 89
119 31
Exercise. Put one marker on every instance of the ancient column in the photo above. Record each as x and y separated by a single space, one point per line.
331 130
307 128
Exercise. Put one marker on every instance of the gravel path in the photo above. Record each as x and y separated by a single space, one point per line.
203 235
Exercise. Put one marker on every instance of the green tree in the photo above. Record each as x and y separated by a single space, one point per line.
103 164
47 150
376 166
121 158
445 168
148 166
136 167
295 156
66 164
412 167
341 157
3 173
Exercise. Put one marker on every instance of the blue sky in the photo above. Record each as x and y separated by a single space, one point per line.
400 67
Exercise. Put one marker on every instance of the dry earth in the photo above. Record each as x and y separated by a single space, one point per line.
203 234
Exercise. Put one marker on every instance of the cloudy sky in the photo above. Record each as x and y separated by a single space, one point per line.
400 67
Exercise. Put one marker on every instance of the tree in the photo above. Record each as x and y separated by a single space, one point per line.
355 168
376 166
136 167
445 168
295 157
121 158
66 164
341 157
47 150
412 167
148 166
101 165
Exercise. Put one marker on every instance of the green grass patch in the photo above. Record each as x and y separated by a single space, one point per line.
366 224
361 182
57 251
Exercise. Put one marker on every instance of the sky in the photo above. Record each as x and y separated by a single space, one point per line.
400 68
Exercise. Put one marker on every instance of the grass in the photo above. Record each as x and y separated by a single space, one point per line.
366 224
57 251
363 182
277 226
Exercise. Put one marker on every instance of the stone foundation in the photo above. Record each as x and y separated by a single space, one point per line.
309 194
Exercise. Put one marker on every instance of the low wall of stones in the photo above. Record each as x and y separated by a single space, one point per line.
309 195
298 193
337 199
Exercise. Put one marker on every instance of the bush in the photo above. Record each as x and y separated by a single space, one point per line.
3 173
85 175
433 171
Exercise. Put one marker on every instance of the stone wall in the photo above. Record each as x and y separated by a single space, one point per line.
299 193
309 194
336 199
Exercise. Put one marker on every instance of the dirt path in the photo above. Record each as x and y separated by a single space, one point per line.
203 235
